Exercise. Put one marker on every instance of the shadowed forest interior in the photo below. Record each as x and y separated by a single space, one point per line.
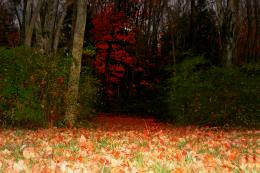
180 61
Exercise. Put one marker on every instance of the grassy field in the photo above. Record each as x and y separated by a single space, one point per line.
121 144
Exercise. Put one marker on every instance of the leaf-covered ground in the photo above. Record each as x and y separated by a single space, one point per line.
121 144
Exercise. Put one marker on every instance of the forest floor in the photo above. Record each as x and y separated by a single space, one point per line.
129 144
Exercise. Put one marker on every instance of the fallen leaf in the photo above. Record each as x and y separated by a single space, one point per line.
48 151
19 166
178 170
29 153
6 152
35 168
82 140
116 154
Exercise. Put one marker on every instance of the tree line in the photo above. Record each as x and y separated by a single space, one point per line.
133 40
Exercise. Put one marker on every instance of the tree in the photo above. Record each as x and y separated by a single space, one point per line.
192 16
31 15
113 38
74 76
42 20
49 24
247 33
6 23
227 20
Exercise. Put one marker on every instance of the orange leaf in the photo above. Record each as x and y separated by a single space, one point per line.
161 155
178 156
82 140
116 154
29 153
104 161
184 153
46 170
80 158
35 168
178 170
232 156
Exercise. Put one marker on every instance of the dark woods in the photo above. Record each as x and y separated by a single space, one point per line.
184 61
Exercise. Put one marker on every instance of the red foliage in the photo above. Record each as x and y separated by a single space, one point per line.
103 46
115 40
113 37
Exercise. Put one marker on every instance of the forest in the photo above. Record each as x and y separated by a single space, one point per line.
174 74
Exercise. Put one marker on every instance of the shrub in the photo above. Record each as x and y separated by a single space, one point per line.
33 86
89 93
213 95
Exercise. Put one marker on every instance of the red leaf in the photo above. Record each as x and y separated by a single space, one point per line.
102 45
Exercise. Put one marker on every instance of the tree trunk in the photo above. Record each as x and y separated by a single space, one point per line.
233 6
50 20
220 15
74 77
249 30
227 17
257 28
74 19
59 27
229 52
57 33
192 13
38 32
30 20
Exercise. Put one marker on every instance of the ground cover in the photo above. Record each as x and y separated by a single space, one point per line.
129 144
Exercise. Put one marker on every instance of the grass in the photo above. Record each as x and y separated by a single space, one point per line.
103 142
159 168
165 150
139 159
105 169
182 143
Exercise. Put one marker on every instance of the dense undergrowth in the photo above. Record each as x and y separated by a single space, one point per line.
33 90
33 87
199 93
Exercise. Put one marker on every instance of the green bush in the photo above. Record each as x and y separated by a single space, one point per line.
213 95
32 87
89 95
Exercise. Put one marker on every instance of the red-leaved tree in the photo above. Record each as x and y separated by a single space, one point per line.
114 39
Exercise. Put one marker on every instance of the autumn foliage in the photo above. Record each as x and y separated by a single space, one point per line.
114 38
127 144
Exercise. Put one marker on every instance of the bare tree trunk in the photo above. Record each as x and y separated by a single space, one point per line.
73 85
233 6
55 22
220 14
229 52
18 16
38 32
30 20
50 20
249 29
59 27
192 13
74 19
57 33
227 17
257 28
